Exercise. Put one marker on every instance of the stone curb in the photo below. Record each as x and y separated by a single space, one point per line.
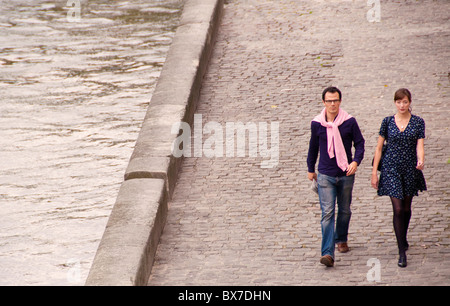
128 246
176 93
125 254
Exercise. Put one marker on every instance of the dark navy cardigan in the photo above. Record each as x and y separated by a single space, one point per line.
350 134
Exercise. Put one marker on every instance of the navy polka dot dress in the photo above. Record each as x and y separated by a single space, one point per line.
399 176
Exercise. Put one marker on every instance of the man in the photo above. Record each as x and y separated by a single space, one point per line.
333 132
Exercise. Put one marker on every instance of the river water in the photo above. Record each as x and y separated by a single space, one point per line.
75 83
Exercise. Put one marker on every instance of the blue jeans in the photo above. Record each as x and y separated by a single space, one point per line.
332 189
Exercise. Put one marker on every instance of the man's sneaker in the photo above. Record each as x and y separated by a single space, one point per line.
327 260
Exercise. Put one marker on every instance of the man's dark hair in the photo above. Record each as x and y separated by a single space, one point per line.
332 90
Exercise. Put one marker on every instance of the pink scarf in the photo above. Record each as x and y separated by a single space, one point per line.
335 144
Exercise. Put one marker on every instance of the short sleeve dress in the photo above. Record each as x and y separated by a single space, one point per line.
399 176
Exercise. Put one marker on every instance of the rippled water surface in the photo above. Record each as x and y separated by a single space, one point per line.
72 99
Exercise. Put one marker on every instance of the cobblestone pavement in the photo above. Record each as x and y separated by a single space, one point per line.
232 222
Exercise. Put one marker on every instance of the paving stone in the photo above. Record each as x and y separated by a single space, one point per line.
231 222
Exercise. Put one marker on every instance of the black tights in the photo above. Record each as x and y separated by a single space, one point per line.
402 215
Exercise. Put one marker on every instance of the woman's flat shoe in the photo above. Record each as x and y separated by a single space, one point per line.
402 261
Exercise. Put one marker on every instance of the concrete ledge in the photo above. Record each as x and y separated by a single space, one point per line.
128 246
177 92
127 249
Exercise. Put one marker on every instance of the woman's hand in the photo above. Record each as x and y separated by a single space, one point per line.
420 154
374 181
420 165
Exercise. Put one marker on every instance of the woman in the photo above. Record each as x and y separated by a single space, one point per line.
401 170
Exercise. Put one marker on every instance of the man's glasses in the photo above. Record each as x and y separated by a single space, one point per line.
332 101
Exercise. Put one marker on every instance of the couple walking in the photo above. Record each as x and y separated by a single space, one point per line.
333 133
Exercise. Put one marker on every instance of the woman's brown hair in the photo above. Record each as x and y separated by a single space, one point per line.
401 93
